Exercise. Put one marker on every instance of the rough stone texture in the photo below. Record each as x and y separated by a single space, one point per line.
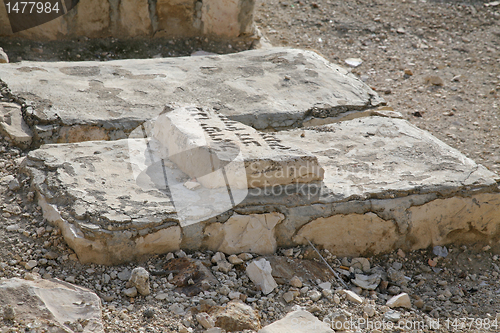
244 233
397 180
267 88
227 17
387 185
90 18
284 270
351 233
172 18
219 152
139 278
299 321
4 58
12 125
52 303
134 18
91 198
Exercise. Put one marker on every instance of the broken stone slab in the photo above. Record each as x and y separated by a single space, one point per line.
13 125
268 88
298 321
387 185
52 303
219 152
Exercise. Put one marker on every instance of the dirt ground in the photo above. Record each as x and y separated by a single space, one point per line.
436 62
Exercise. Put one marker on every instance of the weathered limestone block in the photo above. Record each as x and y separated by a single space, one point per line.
92 18
219 152
410 193
443 221
12 124
244 233
5 28
222 19
297 322
104 216
266 89
56 305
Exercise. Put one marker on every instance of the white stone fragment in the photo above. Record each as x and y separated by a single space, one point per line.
139 278
353 297
259 271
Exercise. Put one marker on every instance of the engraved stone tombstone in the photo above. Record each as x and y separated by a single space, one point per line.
219 152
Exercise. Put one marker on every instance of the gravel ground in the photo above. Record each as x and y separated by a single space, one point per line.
437 62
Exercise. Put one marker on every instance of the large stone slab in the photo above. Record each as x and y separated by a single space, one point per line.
266 89
387 185
55 306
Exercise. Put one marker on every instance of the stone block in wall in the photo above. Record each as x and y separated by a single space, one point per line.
228 18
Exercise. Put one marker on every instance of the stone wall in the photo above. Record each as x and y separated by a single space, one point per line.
225 19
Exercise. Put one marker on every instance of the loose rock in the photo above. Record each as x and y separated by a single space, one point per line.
139 279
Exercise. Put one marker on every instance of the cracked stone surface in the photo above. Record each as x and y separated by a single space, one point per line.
270 88
387 184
